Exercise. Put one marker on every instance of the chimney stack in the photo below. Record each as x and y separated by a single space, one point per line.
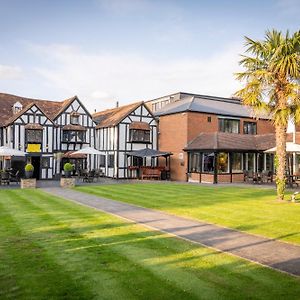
117 104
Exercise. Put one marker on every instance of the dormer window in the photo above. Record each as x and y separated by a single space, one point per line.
74 118
17 107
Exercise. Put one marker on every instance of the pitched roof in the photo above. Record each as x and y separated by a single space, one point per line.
232 142
112 117
208 104
50 108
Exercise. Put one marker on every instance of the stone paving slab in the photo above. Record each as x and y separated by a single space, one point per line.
279 255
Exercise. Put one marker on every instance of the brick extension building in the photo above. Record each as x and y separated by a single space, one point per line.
212 139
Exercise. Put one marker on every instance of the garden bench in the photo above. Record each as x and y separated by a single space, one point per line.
151 174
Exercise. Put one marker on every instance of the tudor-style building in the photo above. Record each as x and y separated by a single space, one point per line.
122 130
47 130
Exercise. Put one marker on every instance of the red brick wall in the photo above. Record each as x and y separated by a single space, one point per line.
179 129
173 138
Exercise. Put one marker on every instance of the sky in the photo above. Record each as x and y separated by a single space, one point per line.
105 51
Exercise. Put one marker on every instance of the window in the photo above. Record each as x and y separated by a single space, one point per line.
45 162
269 162
102 161
229 125
139 136
74 136
194 162
250 161
260 162
208 162
223 163
250 128
74 118
237 162
34 136
209 119
111 160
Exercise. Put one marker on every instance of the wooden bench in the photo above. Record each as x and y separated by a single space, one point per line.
151 174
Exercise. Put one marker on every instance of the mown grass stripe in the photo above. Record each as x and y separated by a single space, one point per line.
251 210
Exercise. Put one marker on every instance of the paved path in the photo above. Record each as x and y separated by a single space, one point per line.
275 254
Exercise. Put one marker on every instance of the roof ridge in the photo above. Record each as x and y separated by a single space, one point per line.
116 108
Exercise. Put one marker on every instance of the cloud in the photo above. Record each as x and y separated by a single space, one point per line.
10 72
103 78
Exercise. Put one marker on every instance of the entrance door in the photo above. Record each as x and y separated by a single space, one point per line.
36 162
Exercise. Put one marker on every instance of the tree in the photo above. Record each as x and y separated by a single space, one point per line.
271 85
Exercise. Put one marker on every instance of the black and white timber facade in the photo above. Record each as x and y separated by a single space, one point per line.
122 130
50 131
46 130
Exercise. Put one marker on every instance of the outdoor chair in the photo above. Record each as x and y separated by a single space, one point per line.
91 176
4 178
257 177
14 177
267 176
98 173
249 176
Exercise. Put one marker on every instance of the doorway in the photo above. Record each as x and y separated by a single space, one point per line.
36 162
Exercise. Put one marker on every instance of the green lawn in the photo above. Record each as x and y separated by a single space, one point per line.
54 249
253 210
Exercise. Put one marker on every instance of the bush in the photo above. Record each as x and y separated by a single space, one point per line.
68 167
29 168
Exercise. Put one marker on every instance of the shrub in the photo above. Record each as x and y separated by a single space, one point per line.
29 168
68 167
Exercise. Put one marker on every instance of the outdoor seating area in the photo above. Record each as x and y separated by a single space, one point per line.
8 176
258 177
90 176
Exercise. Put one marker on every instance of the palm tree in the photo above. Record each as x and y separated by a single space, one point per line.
271 85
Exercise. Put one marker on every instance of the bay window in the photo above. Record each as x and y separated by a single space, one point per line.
34 136
74 136
138 136
194 162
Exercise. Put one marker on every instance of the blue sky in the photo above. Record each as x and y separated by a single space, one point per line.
109 50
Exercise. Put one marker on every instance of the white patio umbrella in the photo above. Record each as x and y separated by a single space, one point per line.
6 151
88 151
290 147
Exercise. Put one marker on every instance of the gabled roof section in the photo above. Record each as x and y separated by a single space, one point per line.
64 105
50 108
24 110
221 141
112 117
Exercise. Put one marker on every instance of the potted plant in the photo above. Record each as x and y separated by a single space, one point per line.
29 168
68 168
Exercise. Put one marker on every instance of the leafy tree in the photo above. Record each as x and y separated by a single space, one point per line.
272 86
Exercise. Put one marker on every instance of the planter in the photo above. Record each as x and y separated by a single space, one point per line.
68 174
67 182
28 174
29 183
